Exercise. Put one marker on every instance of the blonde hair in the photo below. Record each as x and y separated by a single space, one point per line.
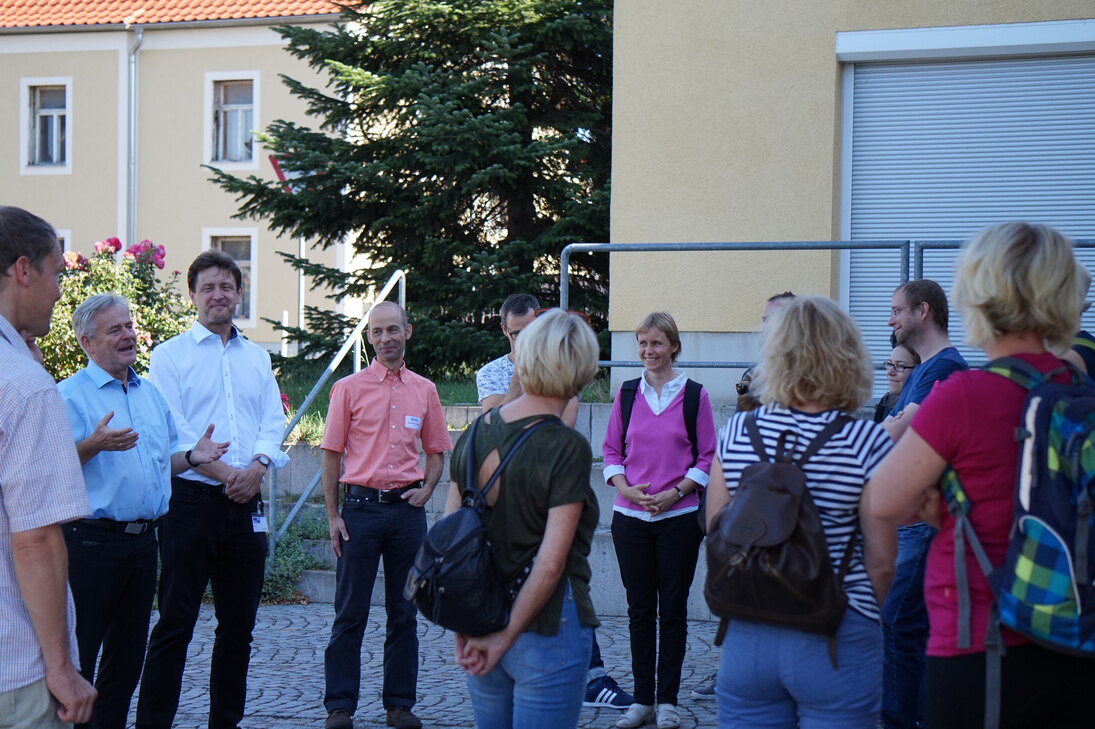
556 355
812 353
664 323
1020 278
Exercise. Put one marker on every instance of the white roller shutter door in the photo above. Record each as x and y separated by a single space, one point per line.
939 150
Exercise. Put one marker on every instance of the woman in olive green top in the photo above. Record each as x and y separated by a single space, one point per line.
532 673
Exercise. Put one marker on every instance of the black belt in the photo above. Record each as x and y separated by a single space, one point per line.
129 527
380 496
216 488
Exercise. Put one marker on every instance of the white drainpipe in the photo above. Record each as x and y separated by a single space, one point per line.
131 137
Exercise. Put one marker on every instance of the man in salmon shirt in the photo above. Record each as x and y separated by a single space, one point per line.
370 458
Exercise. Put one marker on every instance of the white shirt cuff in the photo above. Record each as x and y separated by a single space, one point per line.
698 476
611 471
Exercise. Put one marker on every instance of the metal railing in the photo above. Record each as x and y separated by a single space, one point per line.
920 246
353 340
904 246
912 261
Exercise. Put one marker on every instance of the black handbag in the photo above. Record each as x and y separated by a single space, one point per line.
454 582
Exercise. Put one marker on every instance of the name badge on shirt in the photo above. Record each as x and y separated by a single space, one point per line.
412 422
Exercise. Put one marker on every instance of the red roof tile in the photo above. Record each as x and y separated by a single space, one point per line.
42 13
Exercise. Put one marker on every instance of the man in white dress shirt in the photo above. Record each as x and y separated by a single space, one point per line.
215 529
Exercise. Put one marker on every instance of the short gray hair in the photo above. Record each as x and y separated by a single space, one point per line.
83 318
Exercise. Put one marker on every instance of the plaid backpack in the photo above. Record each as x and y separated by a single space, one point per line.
1045 589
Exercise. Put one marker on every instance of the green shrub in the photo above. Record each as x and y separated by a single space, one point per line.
290 559
159 310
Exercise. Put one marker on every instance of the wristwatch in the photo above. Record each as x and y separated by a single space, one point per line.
264 460
680 493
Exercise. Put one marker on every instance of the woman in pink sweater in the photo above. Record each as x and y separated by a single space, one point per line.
657 471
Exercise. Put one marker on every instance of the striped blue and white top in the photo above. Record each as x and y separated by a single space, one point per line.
835 477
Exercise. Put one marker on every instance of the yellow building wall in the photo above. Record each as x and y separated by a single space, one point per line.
726 127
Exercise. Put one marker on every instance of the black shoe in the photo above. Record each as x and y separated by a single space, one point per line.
339 719
402 718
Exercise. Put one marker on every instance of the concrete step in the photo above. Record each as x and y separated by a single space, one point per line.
606 588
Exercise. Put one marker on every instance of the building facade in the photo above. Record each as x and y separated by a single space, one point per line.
843 120
113 112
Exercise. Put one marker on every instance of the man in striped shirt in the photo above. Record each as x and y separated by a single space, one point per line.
40 487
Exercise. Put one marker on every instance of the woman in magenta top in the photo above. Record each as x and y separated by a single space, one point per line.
654 526
1020 289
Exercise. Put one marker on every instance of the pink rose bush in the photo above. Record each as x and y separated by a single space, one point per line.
157 304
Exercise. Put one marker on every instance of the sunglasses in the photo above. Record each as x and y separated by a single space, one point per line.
742 388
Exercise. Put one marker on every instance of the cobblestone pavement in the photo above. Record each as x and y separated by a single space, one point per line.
285 687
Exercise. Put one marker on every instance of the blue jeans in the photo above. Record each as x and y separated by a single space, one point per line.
905 631
773 677
540 681
205 538
393 531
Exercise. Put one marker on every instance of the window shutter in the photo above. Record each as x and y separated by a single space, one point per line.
940 150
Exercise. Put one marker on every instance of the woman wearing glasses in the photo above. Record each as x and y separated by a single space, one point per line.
657 470
898 368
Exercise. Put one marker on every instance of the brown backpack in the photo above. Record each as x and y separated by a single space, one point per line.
767 558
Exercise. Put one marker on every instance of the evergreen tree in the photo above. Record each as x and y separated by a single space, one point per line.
466 141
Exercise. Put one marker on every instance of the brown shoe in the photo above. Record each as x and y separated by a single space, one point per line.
402 718
339 719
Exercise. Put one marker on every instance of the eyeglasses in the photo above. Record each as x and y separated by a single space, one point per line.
742 388
585 316
897 310
897 367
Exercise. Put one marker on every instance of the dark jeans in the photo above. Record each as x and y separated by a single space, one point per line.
205 538
393 531
657 563
905 631
113 578
1039 688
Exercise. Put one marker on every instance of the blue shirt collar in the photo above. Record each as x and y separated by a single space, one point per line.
100 377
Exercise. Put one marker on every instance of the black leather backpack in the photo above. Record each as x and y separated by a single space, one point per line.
453 580
767 557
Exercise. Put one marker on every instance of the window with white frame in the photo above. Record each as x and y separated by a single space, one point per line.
45 133
231 113
240 247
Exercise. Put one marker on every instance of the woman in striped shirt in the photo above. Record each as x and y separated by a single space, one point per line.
814 368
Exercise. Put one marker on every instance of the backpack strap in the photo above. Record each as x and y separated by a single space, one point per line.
783 451
1027 375
958 506
628 390
835 426
691 415
477 497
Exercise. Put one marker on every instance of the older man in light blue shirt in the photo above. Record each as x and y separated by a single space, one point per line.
129 448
